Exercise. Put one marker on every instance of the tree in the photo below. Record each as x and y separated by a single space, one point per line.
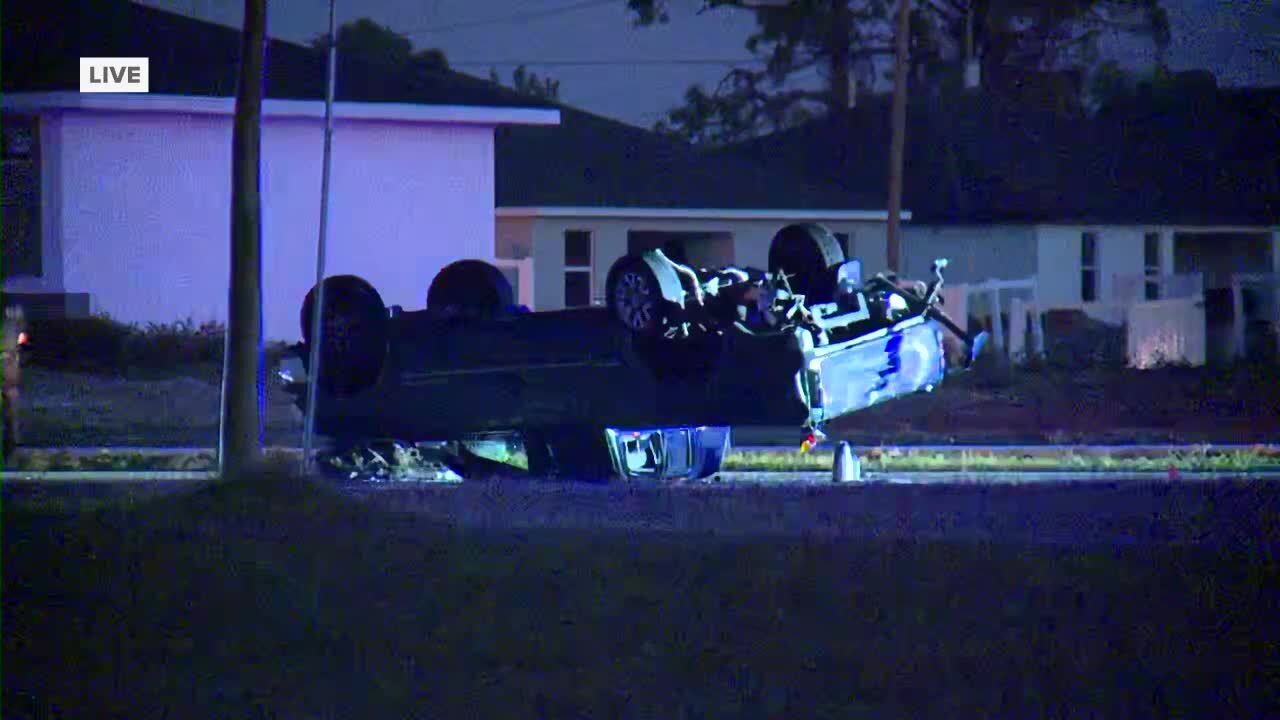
838 38
528 83
852 40
241 431
366 40
1161 89
1011 37
1109 84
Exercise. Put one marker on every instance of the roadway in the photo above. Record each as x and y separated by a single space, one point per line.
1078 509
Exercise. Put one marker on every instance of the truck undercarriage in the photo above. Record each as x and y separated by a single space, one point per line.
649 385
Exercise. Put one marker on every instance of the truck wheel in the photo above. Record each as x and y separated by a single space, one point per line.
354 337
471 290
809 255
641 292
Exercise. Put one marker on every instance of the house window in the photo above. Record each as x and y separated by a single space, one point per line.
843 240
1089 266
577 268
20 197
1151 264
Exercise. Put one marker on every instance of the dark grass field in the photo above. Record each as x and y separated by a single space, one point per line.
178 406
282 600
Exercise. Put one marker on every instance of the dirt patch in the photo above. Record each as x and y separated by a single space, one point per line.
1175 405
75 409
1170 405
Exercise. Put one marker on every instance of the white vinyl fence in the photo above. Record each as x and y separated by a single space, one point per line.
1018 298
1161 331
1164 318
1167 330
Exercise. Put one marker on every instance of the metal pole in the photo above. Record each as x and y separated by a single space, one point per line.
898 142
317 327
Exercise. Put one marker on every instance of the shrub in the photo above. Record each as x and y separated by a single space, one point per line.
181 343
86 344
101 345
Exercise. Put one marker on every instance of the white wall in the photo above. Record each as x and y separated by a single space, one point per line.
974 252
1120 252
145 211
513 237
750 240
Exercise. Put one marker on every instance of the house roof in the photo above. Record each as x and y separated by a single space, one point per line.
592 162
43 42
978 159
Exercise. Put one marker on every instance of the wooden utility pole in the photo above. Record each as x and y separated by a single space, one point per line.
240 444
898 146
841 56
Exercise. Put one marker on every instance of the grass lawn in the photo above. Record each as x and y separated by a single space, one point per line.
1191 459
279 600
179 408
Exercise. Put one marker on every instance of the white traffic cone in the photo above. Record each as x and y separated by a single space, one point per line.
845 467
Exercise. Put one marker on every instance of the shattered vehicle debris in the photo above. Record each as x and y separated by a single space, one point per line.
647 386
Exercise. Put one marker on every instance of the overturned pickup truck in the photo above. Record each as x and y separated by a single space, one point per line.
647 386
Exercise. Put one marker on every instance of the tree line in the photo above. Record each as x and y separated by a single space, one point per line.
1052 45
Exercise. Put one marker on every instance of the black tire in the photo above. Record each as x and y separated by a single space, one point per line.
640 293
809 255
354 343
471 290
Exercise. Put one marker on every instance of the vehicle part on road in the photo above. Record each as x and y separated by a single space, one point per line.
570 453
355 334
470 290
388 461
669 453
808 255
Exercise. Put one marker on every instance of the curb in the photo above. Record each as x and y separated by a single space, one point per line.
960 455
727 478
105 477
1045 449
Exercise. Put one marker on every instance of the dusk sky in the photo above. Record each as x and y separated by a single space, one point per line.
636 74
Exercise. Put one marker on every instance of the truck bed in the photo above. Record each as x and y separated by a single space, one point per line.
579 368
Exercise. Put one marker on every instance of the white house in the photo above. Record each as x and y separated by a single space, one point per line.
1110 209
576 197
126 209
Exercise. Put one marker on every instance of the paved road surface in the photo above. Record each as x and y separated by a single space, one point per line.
1056 510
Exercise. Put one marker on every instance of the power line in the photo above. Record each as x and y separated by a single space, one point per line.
518 17
605 63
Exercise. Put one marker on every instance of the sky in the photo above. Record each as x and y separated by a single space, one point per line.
607 66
